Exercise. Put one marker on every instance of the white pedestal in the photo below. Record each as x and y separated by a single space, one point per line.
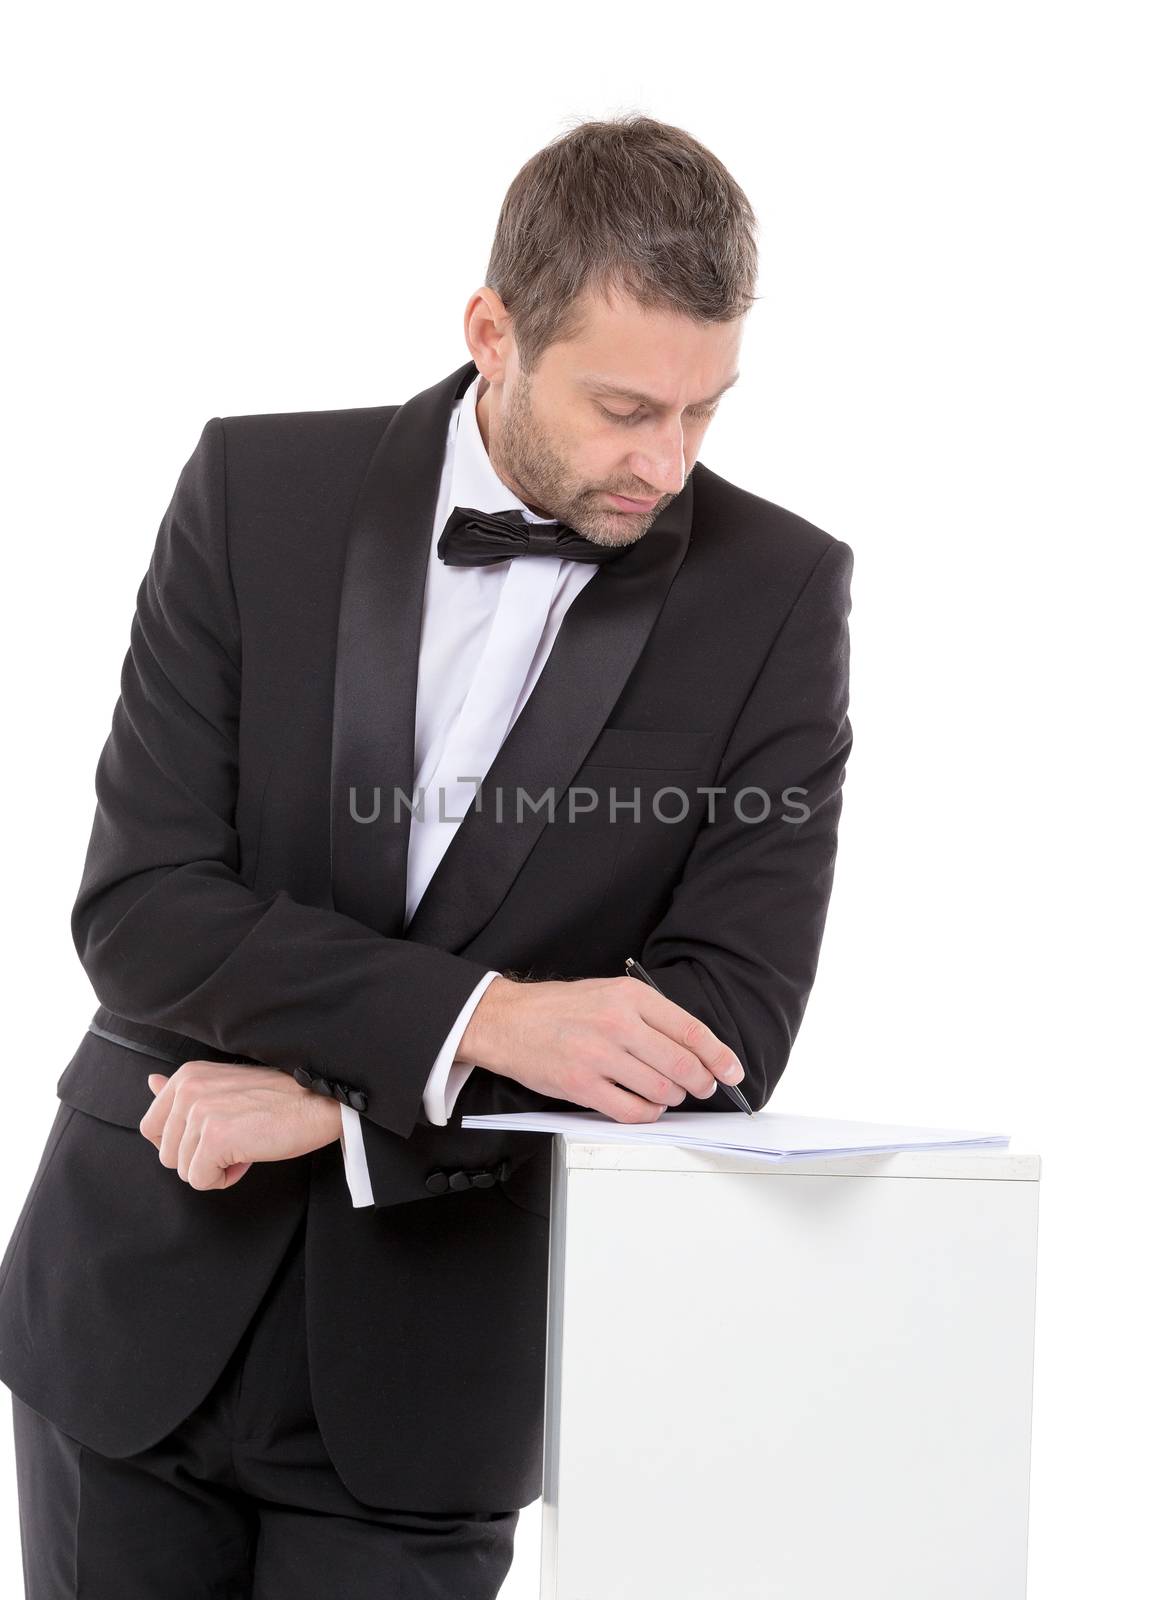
802 1380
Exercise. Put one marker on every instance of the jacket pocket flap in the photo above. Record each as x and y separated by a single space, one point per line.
110 1080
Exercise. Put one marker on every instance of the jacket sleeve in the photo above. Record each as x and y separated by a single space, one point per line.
164 925
445 1081
738 943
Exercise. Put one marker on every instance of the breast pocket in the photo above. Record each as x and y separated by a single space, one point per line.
655 749
648 775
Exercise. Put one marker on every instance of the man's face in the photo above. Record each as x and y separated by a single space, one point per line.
621 410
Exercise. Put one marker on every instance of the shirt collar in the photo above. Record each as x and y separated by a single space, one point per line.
475 481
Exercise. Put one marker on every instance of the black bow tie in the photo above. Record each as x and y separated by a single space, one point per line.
474 538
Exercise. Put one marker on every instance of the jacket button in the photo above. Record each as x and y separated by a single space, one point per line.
357 1099
303 1077
322 1086
459 1180
436 1183
483 1180
340 1093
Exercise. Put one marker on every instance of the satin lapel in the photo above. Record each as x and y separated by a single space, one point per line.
377 655
374 704
599 641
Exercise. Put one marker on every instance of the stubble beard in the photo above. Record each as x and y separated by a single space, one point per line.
522 455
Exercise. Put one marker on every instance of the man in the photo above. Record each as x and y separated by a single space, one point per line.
273 1321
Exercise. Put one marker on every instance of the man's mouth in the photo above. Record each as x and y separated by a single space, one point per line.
624 502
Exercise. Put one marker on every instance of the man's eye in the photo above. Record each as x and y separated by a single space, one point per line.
638 416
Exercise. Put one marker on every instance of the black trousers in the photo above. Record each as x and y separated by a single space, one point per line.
241 1501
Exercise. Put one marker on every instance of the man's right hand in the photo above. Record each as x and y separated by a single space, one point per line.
614 1045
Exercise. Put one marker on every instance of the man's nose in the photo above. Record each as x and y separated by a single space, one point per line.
661 465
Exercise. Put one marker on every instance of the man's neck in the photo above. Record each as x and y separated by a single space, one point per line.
482 424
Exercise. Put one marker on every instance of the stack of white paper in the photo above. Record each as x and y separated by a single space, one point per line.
773 1135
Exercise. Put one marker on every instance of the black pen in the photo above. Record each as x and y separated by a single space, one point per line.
635 970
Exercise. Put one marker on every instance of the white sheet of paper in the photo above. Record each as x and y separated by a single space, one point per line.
778 1135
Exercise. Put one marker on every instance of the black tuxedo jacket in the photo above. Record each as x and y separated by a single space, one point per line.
233 908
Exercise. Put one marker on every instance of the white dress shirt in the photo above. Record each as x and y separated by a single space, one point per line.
485 636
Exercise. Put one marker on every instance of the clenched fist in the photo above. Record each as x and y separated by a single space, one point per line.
211 1120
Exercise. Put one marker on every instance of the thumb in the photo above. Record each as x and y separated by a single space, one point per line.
156 1081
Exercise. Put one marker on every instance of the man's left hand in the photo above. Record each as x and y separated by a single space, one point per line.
211 1120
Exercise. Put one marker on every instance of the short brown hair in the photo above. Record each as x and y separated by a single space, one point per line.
629 205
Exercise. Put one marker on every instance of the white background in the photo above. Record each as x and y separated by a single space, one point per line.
227 209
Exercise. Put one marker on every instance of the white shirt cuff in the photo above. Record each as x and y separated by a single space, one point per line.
447 1078
355 1161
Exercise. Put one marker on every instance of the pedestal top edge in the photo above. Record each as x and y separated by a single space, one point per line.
612 1155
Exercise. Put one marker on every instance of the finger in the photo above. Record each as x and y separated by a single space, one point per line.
201 1167
665 1089
186 1149
622 1106
676 1071
687 1031
172 1136
152 1122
